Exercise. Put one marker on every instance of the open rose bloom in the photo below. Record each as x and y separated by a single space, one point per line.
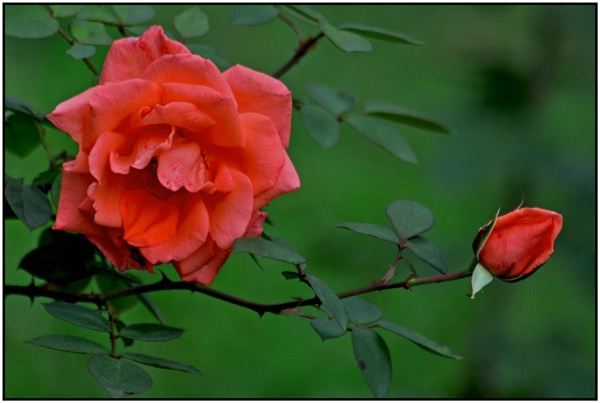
520 242
175 159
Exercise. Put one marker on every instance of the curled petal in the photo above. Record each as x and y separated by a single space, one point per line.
147 220
71 116
227 129
257 92
188 69
112 104
130 57
204 264
287 181
182 166
191 232
230 212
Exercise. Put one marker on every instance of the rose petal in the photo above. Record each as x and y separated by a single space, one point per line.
263 156
147 220
287 181
188 69
129 57
182 166
75 213
113 103
259 93
181 114
153 141
230 212
106 195
227 130
204 264
192 230
71 116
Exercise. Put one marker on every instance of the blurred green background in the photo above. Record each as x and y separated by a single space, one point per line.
516 85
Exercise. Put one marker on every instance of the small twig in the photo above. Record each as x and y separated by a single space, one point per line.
305 46
85 59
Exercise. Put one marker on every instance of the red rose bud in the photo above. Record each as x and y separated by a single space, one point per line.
520 243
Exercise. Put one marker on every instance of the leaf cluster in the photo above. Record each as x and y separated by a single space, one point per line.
117 373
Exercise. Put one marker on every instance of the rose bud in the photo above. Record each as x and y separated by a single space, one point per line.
519 243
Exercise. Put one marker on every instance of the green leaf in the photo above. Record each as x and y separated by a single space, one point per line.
480 278
78 315
419 340
90 33
373 359
70 344
409 218
55 189
151 332
255 14
54 261
334 100
346 41
290 275
192 23
19 105
29 21
79 51
360 311
383 135
118 377
274 249
210 53
47 177
102 13
327 328
321 125
65 10
379 33
426 250
133 14
21 133
377 231
303 13
28 202
483 236
404 116
161 363
330 300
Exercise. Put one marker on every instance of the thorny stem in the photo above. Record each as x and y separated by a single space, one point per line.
305 46
85 59
52 291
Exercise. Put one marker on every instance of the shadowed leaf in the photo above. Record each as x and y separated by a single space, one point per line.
419 340
252 14
373 359
322 126
192 23
161 363
327 328
70 344
404 116
375 230
379 33
409 218
118 377
330 300
426 250
150 332
383 135
78 315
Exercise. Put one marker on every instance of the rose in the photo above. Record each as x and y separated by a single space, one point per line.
520 242
175 158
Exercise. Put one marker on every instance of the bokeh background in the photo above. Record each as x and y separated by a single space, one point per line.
516 84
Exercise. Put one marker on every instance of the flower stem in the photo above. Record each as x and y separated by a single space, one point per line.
305 47
52 291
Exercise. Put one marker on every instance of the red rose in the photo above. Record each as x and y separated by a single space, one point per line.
175 158
520 242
